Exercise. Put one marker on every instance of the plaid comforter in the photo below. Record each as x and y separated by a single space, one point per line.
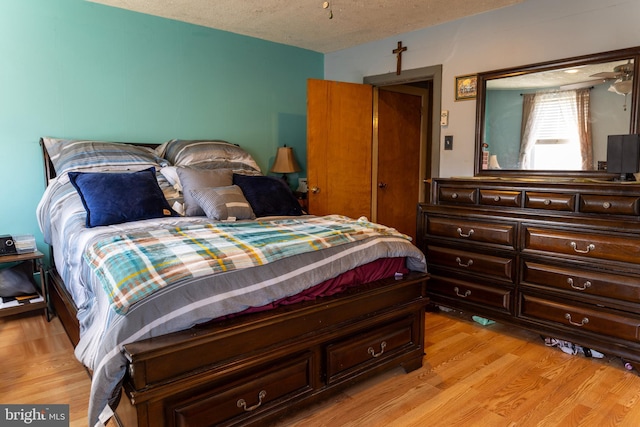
134 265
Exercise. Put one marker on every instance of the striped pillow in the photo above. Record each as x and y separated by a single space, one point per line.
209 154
220 203
69 155
196 178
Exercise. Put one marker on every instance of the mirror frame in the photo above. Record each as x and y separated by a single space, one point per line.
613 55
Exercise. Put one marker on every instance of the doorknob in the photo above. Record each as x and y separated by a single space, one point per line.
315 190
382 185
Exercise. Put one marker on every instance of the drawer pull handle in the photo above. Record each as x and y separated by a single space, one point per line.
454 195
243 404
373 353
586 285
496 198
464 235
466 293
585 320
468 264
547 202
591 247
606 205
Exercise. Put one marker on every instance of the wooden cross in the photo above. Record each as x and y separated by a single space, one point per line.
398 53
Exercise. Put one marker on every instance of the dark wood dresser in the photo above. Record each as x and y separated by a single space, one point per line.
559 257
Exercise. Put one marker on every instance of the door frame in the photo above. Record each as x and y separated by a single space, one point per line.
434 75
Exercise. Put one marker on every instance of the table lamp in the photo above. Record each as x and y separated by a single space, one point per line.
285 163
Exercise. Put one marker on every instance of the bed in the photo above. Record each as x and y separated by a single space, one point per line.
196 292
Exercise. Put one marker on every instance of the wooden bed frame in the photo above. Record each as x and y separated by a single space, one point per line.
257 368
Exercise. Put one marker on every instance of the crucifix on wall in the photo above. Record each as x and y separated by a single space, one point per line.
398 53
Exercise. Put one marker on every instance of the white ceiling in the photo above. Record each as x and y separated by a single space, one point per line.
306 24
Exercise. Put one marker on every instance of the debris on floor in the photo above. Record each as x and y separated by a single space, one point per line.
482 320
571 348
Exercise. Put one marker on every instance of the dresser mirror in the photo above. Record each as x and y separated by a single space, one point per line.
553 118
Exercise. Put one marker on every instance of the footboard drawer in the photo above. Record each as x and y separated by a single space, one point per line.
357 352
251 395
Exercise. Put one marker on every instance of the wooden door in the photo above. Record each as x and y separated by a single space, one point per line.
398 159
339 153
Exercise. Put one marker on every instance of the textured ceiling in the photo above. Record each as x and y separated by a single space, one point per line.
307 24
582 76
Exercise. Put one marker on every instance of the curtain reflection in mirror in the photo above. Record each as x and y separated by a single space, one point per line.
556 131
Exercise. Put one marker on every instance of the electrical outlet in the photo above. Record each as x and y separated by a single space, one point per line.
302 185
448 142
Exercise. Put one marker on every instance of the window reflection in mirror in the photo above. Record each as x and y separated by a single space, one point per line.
555 117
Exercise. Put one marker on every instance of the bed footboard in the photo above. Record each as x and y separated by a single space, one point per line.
252 369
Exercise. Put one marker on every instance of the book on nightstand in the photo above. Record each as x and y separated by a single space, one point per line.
6 302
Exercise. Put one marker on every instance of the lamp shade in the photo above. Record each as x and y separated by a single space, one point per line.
285 162
493 162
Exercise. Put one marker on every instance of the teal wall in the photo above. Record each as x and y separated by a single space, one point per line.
502 125
75 69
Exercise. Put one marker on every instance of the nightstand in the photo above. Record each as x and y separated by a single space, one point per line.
39 303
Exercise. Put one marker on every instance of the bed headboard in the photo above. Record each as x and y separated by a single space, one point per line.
49 171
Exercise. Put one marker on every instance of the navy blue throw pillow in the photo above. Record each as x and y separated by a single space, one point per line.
115 198
268 196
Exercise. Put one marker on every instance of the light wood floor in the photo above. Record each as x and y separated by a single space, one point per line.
473 375
37 366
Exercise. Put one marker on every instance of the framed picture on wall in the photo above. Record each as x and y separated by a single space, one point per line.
466 87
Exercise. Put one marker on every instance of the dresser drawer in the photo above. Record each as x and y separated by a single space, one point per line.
612 205
468 196
500 198
487 296
361 350
496 267
583 318
265 388
485 232
587 245
616 286
550 201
